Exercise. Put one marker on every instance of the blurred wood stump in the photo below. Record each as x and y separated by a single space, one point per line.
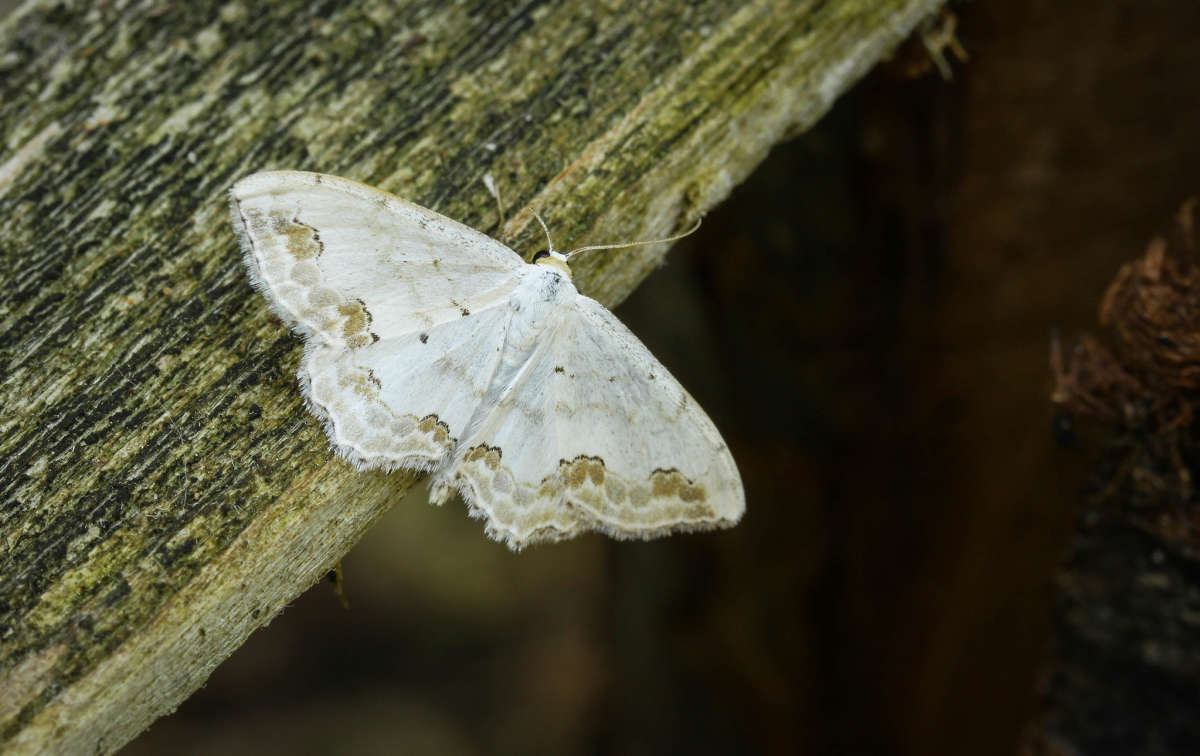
1125 673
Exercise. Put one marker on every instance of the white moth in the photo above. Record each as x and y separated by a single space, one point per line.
430 346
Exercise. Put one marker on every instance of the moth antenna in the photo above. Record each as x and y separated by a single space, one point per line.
490 183
676 237
549 243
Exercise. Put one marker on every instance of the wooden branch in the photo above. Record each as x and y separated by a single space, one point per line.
163 491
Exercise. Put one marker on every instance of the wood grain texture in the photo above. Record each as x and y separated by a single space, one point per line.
162 490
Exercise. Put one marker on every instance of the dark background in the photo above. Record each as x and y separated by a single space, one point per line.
867 320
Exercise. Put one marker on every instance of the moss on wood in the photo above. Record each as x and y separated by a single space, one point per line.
163 490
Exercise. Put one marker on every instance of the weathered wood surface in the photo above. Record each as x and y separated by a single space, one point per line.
163 491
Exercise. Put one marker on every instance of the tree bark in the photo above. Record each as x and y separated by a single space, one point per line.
163 492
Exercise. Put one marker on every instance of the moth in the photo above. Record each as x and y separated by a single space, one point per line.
430 346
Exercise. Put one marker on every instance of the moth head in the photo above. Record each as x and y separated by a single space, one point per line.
552 258
556 259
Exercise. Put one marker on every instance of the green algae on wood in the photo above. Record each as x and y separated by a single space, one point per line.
162 490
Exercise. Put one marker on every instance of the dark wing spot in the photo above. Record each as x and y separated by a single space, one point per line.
370 317
465 312
558 368
424 338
